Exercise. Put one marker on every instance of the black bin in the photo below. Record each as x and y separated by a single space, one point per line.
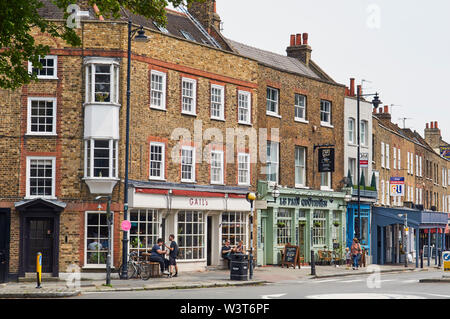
239 267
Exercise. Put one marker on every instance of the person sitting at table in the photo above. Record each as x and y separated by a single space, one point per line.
239 249
226 252
157 255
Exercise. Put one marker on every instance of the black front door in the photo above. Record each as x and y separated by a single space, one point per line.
209 242
4 242
40 239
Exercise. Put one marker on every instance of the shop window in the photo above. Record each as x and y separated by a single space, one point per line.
284 227
336 229
96 240
234 227
364 230
319 228
145 229
191 235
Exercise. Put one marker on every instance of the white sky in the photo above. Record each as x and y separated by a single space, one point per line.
406 58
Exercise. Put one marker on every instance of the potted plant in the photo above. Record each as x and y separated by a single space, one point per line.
317 224
281 224
302 223
336 224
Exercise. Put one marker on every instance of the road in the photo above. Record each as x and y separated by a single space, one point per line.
403 285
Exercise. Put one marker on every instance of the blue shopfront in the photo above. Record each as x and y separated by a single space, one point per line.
364 224
392 242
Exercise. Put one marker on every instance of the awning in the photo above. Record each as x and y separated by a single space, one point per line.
384 216
49 203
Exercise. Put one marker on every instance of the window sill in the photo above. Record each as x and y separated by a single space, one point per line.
102 266
220 184
47 78
302 187
157 179
217 119
188 182
158 108
101 103
322 188
189 114
245 123
324 124
299 120
33 134
43 197
273 115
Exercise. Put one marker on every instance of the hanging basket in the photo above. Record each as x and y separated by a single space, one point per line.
317 224
281 224
336 224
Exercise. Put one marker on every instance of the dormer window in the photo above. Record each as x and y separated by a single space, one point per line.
102 81
187 35
160 27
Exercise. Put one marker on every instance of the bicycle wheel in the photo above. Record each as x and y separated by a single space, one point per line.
131 269
145 271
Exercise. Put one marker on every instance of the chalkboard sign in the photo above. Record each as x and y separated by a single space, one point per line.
290 256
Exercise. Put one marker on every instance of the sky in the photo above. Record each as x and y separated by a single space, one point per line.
401 47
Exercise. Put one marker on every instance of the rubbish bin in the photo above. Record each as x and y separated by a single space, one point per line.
239 267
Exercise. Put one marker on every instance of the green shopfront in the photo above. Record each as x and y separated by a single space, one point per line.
300 217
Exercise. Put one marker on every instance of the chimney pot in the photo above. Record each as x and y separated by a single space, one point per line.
436 124
427 126
386 109
305 38
298 39
380 110
359 89
432 125
292 40
352 87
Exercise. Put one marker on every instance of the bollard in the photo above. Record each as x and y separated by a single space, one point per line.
421 258
313 264
39 269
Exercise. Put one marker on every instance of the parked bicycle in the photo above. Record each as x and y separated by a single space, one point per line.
136 267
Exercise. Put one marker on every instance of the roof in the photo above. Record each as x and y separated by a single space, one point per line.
176 22
278 61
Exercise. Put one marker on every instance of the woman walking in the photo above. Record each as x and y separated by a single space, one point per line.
356 252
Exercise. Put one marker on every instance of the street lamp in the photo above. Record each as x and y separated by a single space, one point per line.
251 198
275 194
109 223
406 237
375 102
140 37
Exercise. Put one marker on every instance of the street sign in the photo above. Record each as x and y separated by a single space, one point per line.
397 186
446 259
364 160
126 225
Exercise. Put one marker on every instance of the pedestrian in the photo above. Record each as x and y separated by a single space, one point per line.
226 252
157 255
173 254
356 253
240 248
348 258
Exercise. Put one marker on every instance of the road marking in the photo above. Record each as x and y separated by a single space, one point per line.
435 295
272 296
410 281
364 296
327 280
355 280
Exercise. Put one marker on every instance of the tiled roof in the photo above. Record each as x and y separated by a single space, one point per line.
275 60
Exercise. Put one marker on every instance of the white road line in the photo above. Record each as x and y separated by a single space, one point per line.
410 281
355 280
327 280
435 295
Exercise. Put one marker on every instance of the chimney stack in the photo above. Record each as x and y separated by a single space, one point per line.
433 135
206 13
427 126
383 113
300 51
352 87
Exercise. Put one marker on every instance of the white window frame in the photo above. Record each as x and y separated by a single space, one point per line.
55 68
28 172
328 186
409 163
221 116
155 223
193 97
247 170
319 233
395 157
300 107
383 198
284 234
329 112
417 165
163 76
276 102
364 130
241 107
189 148
382 155
220 181
113 64
113 159
420 167
388 194
388 157
351 130
235 227
86 264
203 234
298 168
273 163
163 161
399 159
46 99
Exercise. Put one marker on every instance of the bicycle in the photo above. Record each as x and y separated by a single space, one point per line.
136 268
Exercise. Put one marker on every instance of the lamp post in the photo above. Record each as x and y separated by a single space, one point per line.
251 198
109 223
405 246
375 102
141 37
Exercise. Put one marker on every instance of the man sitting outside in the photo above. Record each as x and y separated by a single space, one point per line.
158 256
226 252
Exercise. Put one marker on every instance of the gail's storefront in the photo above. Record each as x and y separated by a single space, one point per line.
200 217
305 218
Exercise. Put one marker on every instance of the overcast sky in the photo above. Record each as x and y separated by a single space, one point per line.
402 47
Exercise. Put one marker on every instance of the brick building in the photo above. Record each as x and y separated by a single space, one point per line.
402 156
63 141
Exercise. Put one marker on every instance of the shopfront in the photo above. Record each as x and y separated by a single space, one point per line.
304 218
392 242
201 217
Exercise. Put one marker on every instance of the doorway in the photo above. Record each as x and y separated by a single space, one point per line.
39 238
301 239
263 239
4 244
209 241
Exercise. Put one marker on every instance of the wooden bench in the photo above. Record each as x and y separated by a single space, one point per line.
154 266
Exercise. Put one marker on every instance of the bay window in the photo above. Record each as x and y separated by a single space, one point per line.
102 81
101 158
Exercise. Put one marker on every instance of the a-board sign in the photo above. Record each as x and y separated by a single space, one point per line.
290 256
446 259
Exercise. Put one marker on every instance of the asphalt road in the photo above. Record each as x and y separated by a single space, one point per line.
387 286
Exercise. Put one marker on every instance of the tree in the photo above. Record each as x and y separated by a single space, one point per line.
19 17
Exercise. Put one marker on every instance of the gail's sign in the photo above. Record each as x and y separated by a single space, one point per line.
202 202
303 202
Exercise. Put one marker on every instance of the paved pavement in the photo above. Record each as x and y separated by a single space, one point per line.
188 280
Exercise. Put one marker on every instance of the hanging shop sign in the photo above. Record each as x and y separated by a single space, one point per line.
326 160
397 186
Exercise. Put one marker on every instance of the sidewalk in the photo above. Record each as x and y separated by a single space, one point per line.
188 280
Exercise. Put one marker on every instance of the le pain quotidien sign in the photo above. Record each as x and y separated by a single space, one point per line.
305 202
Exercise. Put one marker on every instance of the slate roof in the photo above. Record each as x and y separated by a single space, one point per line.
277 61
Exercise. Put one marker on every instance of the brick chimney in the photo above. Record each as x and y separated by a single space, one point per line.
383 113
433 135
352 87
206 13
298 50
